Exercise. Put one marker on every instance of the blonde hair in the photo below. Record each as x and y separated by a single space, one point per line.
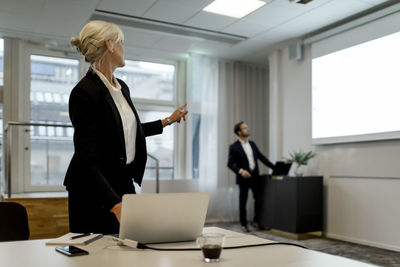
91 40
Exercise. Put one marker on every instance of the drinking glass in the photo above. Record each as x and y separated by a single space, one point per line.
211 245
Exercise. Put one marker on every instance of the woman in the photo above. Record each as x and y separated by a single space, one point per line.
109 139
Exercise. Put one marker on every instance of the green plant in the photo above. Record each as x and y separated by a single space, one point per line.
300 158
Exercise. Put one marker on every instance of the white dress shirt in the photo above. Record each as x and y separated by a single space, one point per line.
128 118
249 153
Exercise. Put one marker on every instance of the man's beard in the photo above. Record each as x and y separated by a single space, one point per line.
246 135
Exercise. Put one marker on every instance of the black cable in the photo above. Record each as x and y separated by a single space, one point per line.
144 246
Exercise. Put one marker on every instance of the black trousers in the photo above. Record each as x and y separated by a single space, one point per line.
254 184
87 215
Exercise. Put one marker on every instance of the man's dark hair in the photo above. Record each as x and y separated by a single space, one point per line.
236 129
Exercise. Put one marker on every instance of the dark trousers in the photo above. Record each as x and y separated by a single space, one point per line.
244 186
87 215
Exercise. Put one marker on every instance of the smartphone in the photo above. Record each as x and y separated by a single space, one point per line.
71 251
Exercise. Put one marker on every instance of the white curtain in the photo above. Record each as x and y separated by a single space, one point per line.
230 92
205 80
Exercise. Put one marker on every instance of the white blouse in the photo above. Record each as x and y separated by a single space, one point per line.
128 118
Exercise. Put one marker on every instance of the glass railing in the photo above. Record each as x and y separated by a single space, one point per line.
50 156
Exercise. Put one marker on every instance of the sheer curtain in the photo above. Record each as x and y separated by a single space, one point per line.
205 80
230 92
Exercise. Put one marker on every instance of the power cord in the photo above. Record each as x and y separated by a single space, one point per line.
135 244
144 246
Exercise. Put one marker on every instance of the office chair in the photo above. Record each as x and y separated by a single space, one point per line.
13 222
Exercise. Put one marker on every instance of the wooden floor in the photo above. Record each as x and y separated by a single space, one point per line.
48 217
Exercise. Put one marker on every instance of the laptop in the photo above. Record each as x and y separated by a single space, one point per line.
160 218
281 168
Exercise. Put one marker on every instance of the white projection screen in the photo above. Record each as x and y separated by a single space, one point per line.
356 92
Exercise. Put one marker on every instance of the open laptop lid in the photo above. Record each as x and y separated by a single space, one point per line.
158 218
281 168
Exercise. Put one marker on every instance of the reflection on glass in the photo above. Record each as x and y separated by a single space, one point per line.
161 146
52 79
148 80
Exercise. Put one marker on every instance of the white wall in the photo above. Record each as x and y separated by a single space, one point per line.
361 180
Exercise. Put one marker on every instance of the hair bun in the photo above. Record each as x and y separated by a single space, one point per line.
75 41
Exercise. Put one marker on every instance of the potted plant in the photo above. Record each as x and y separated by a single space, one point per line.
300 158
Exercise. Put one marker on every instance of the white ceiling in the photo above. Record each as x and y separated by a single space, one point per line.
274 23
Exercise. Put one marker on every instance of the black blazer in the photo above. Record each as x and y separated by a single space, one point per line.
238 160
98 167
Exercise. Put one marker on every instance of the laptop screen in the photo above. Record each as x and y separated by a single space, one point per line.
281 168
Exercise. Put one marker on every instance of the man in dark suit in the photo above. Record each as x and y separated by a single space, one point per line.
243 156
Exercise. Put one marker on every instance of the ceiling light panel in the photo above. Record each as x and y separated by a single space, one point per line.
234 8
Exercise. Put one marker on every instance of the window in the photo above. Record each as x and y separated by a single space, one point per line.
161 146
148 80
152 88
52 78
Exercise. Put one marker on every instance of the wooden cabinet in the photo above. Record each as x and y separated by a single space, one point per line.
47 217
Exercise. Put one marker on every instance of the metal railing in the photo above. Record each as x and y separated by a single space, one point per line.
157 172
8 130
